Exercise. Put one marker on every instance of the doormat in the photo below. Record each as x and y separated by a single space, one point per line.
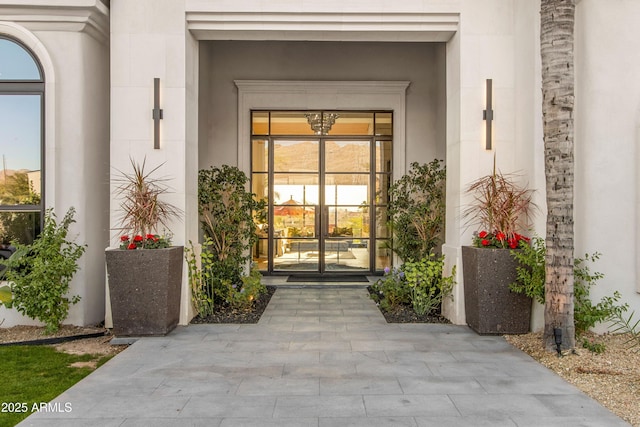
294 278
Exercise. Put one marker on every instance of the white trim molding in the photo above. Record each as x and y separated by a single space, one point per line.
322 95
418 26
88 16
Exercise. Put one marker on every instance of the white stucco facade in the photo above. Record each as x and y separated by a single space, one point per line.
72 46
100 95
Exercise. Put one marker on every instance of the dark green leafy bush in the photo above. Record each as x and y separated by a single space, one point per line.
417 209
228 214
40 273
531 282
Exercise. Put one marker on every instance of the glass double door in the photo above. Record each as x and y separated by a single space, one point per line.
320 193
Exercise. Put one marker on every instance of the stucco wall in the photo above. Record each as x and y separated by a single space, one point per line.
82 159
75 61
224 62
607 192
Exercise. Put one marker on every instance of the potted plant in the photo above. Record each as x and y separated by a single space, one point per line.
145 273
501 208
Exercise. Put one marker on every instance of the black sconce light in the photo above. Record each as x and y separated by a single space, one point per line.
557 336
487 114
156 113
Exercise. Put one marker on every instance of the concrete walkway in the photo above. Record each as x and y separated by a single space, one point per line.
324 357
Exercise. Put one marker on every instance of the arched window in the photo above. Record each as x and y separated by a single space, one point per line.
21 142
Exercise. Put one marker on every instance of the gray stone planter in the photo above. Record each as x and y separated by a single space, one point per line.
144 289
490 307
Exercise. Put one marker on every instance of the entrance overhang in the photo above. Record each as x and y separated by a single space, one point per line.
438 25
431 21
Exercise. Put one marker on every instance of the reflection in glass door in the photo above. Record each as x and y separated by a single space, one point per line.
347 194
326 193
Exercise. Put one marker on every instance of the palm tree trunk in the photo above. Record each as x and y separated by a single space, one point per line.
556 45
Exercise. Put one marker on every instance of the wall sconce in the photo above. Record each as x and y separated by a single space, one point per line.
487 114
156 113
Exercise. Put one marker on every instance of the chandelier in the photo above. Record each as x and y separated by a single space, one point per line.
321 122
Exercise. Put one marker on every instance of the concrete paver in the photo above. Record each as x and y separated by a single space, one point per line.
324 358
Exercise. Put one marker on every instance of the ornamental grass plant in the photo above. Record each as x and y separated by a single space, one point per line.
500 208
143 210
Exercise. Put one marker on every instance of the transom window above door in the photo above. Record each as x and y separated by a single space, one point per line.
325 176
321 123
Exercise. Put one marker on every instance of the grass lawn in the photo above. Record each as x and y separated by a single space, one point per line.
31 375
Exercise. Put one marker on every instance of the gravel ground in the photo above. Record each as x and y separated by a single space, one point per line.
612 378
95 346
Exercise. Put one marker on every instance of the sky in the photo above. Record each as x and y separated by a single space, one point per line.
16 63
20 131
20 122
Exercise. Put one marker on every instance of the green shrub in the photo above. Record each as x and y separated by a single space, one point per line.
417 209
40 273
593 346
531 282
586 314
242 297
227 211
416 283
428 287
531 274
199 270
209 287
392 290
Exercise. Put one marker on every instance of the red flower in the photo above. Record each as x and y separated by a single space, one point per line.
482 234
124 238
132 246
485 242
513 243
500 236
137 239
151 237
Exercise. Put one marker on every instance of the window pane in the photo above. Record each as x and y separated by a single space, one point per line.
290 123
383 156
383 182
347 156
296 254
260 155
261 254
295 222
16 63
260 123
296 156
260 185
350 123
20 136
348 221
346 189
19 226
382 220
384 124
295 189
383 255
